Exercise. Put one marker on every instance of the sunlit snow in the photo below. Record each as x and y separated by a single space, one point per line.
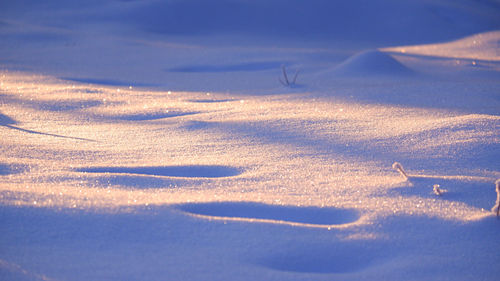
188 160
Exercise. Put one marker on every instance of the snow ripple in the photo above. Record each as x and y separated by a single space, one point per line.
189 171
153 116
257 212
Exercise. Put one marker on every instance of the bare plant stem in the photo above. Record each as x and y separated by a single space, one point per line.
400 169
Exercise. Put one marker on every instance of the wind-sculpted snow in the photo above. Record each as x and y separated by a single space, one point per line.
481 47
250 211
292 185
157 241
219 169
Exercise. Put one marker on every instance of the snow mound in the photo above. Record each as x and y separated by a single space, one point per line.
371 62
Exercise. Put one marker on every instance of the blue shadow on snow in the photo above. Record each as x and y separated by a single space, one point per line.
251 210
190 171
251 66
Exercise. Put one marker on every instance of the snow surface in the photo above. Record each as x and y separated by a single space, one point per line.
152 140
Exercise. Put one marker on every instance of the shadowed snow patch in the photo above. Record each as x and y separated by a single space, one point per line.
199 125
307 216
137 181
6 169
316 257
106 82
251 66
152 116
192 171
65 105
6 120
211 100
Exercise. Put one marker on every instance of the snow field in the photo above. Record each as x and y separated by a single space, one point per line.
128 186
152 140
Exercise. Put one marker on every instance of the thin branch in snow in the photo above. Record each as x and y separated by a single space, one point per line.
496 208
295 77
287 82
398 167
